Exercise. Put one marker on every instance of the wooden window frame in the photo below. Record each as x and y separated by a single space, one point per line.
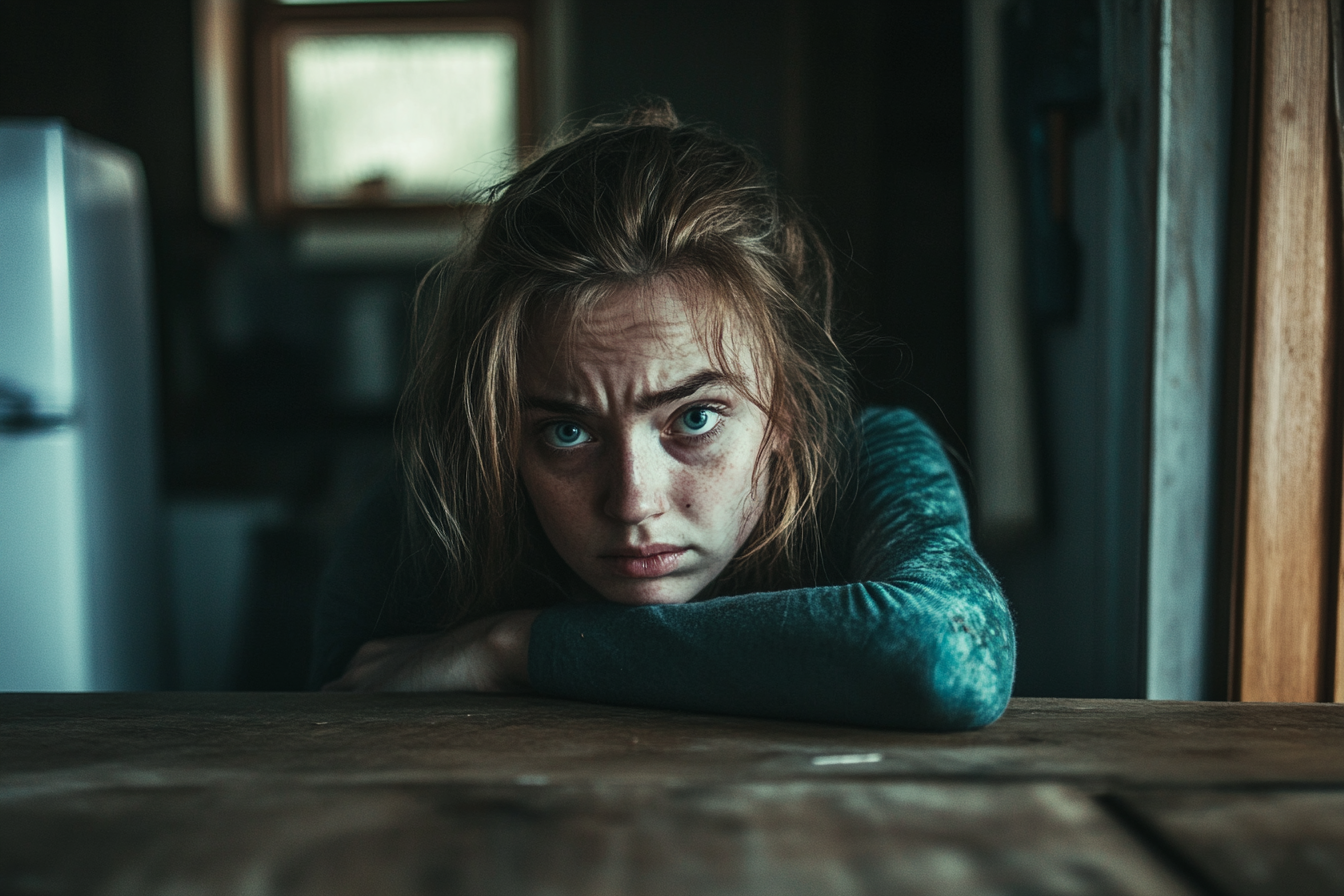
274 26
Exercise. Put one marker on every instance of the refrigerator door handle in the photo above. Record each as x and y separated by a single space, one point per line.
17 413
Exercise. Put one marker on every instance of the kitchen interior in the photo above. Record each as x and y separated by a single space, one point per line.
282 253
1094 243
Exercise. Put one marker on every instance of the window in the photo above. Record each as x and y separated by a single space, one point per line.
389 105
399 117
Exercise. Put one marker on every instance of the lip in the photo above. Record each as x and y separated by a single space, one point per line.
647 561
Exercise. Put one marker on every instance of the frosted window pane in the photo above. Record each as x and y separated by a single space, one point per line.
424 117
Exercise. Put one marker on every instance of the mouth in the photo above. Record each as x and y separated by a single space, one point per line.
645 561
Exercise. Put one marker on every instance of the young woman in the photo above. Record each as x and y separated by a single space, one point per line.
633 473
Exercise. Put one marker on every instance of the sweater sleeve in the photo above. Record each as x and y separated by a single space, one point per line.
918 636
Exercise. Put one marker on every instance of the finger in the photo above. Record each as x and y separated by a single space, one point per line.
338 684
356 675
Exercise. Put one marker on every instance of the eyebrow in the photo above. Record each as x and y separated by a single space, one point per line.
685 389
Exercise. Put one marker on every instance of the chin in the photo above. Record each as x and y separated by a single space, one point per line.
648 592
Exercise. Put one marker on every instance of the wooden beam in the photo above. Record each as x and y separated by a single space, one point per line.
1338 690
1336 604
1284 645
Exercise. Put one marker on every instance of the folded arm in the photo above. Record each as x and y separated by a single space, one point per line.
920 637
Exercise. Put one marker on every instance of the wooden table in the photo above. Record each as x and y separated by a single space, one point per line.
334 793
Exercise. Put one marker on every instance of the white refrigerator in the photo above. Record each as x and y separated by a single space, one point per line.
80 595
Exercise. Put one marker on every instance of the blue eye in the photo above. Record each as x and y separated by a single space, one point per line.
565 434
699 420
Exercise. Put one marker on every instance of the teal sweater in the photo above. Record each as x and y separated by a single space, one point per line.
908 629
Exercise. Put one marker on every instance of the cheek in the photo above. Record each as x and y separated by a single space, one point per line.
721 494
557 500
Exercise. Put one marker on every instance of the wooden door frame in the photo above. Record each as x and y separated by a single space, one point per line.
1282 421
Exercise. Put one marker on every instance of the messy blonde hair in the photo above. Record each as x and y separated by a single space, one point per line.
623 203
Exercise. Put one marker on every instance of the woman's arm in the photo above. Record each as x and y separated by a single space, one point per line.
921 637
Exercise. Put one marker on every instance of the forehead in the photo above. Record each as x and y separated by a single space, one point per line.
660 324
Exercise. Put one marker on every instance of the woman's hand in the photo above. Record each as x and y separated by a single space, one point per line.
489 654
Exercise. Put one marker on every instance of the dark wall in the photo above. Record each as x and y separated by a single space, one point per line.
121 71
718 62
884 169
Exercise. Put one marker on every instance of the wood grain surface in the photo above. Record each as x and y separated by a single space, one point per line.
422 793
776 839
1254 843
55 742
1282 625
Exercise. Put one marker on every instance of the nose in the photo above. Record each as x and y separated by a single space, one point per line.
637 482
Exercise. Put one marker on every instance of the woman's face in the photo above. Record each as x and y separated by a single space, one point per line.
638 454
